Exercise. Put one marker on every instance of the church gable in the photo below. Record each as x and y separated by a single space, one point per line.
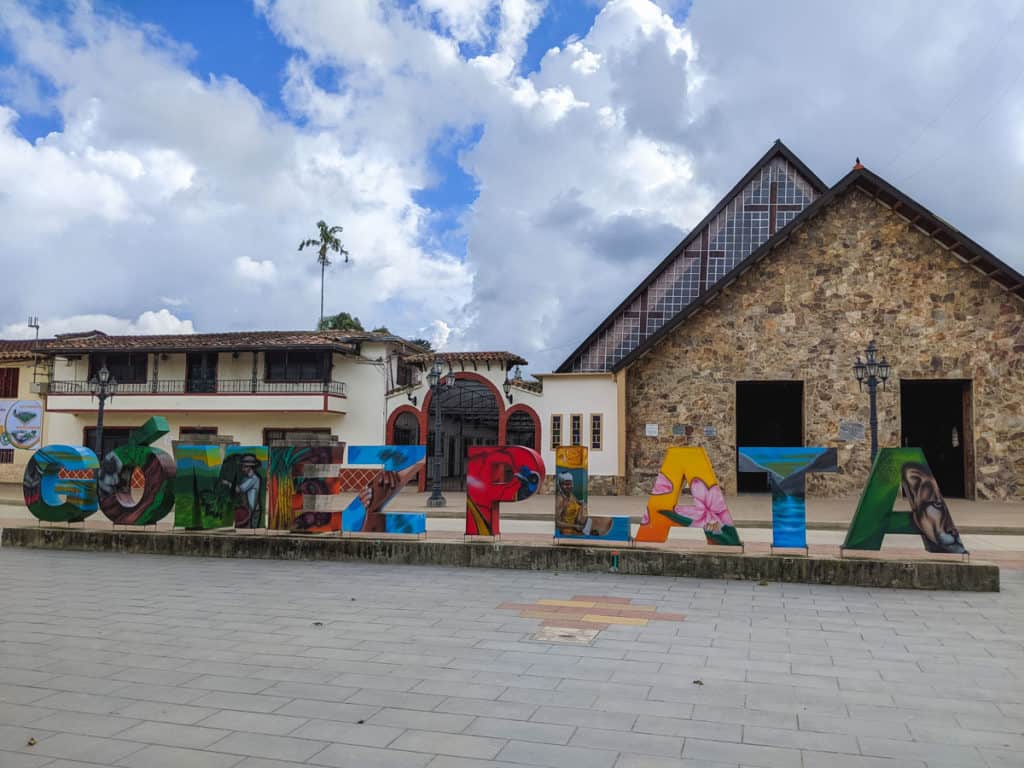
905 211
776 190
859 268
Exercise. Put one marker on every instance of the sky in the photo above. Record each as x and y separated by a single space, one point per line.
505 172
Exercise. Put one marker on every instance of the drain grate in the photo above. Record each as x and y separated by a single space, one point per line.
565 635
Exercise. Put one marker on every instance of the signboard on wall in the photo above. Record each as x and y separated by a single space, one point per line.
21 423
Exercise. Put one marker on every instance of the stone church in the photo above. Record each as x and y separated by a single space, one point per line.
747 332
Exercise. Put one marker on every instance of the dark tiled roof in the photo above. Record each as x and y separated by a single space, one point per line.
17 349
508 358
96 341
919 217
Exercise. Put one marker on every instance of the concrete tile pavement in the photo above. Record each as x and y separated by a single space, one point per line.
147 661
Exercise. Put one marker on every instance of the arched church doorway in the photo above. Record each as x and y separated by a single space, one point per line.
470 416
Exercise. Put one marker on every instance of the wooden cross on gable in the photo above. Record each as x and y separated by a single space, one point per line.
773 207
645 314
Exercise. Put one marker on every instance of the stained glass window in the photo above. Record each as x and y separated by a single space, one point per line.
764 206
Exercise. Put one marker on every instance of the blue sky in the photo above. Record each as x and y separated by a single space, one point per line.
230 38
485 204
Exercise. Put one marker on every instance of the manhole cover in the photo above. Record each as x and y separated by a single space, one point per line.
567 635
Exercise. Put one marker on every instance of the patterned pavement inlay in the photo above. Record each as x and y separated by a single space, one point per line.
590 612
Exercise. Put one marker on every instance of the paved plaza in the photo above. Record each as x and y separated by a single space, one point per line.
160 662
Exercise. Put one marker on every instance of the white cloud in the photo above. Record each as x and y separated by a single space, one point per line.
437 334
160 183
148 323
252 271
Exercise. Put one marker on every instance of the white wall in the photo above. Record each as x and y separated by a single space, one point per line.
584 394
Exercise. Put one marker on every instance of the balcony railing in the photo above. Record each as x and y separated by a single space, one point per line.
208 387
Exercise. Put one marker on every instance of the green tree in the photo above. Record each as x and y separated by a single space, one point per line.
342 321
382 329
326 242
422 343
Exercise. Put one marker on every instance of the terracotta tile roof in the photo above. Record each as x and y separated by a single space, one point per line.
529 386
17 349
95 341
507 358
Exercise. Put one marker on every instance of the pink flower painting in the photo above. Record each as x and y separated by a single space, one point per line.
709 510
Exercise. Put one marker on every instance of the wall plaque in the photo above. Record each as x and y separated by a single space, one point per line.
851 431
651 430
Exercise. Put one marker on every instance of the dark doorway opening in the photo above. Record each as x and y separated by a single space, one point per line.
113 437
932 418
768 413
469 417
520 429
201 372
407 430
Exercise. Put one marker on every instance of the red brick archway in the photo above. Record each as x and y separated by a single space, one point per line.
520 408
393 419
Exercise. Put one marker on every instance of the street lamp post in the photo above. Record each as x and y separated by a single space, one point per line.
871 371
101 386
437 385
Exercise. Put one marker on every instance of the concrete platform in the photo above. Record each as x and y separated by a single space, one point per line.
865 570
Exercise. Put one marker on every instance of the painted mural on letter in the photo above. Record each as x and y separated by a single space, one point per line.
572 515
304 485
114 484
316 479
929 515
497 473
196 489
787 470
59 484
683 467
366 513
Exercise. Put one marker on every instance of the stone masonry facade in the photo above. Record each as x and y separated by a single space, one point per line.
854 272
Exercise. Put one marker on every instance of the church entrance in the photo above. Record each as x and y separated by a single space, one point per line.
469 417
768 413
932 418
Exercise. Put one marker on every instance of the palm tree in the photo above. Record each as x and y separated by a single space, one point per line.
327 241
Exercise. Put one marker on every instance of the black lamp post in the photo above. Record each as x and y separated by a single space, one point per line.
437 385
871 371
101 386
507 386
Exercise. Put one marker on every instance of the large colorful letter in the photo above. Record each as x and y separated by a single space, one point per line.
196 488
787 470
211 493
243 485
681 466
59 483
572 518
115 479
498 473
317 481
366 512
307 471
929 516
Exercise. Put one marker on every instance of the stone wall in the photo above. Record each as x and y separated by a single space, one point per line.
597 485
855 272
